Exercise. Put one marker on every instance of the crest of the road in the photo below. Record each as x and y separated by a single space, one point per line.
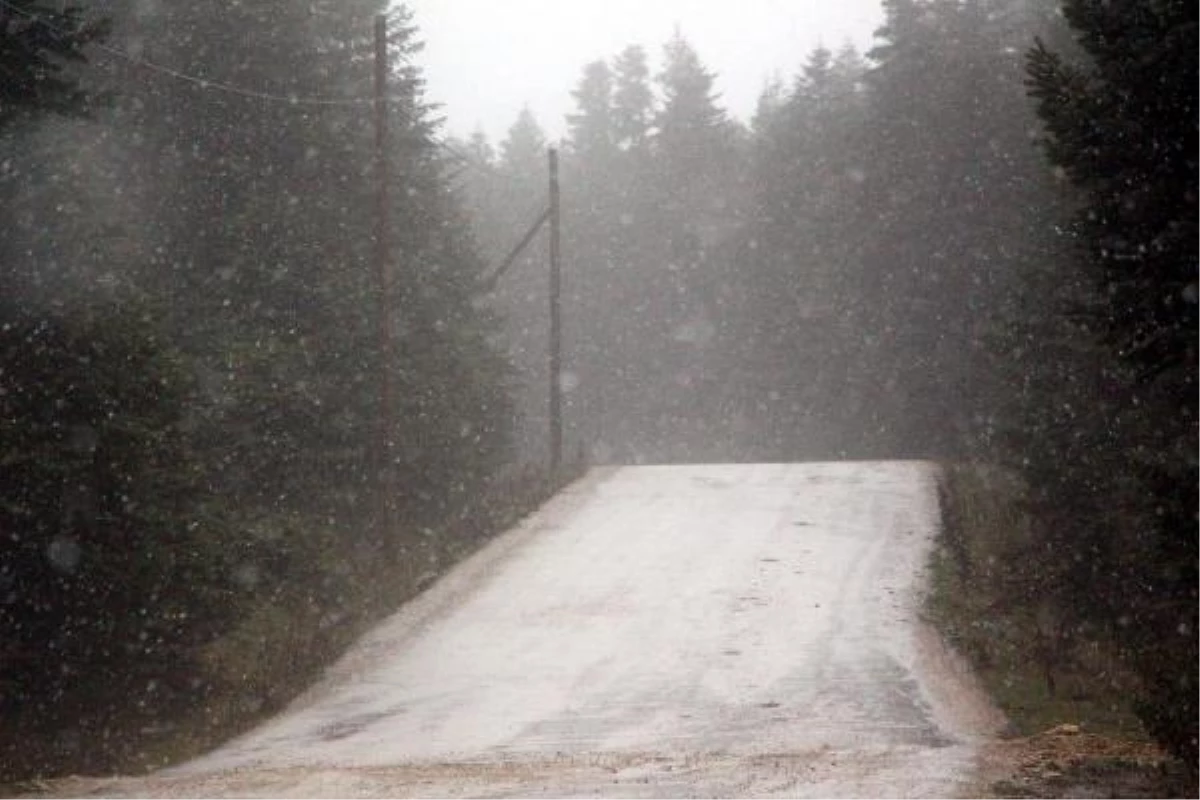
696 630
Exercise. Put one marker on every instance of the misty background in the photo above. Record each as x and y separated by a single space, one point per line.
239 424
764 39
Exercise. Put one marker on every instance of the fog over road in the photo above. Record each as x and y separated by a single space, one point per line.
652 631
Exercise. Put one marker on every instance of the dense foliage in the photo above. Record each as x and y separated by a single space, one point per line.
1121 125
951 247
190 359
38 46
647 277
829 283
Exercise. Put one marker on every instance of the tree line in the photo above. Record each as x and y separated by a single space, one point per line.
974 243
190 356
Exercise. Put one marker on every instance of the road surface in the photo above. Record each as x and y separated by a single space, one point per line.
659 631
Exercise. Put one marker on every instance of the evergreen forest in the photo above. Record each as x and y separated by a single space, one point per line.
237 419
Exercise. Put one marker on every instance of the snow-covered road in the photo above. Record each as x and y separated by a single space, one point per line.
661 631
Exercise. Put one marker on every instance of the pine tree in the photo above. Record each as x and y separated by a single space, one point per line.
691 127
769 106
200 401
1139 226
480 148
949 216
602 202
42 58
1122 128
816 75
111 545
848 67
265 219
38 47
698 185
523 151
591 130
798 320
633 99
520 196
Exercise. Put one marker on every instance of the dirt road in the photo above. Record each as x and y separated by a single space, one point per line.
653 631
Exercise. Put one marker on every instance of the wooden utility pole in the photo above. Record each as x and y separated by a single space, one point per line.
555 321
387 409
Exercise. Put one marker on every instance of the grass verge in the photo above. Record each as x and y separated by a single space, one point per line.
990 601
1072 730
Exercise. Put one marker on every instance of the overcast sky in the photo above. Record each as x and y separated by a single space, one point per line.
484 59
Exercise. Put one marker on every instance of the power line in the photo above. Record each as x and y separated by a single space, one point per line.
203 83
208 84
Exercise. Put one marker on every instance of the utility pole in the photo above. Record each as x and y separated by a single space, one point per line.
553 216
555 321
387 411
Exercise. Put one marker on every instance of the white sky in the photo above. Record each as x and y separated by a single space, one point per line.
484 59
